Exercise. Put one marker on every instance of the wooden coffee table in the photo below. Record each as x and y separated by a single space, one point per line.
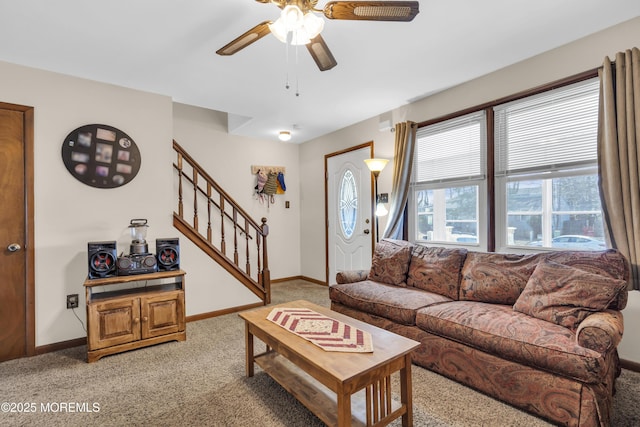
339 388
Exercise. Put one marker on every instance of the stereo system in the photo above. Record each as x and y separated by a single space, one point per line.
137 264
104 262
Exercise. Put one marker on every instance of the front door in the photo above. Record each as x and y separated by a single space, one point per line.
15 292
350 227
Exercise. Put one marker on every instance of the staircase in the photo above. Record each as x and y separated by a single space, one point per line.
212 220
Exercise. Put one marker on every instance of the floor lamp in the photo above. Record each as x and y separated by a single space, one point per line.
376 166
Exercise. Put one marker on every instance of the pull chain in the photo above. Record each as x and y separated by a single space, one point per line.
296 69
287 46
286 49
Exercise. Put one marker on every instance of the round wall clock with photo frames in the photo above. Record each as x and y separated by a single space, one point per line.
101 156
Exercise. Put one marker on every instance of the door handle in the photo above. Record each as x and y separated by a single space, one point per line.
366 231
14 247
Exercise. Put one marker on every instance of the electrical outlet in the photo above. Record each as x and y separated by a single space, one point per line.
72 301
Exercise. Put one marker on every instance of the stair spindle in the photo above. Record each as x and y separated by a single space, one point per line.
235 236
209 203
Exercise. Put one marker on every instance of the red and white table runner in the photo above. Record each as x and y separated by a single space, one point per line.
325 332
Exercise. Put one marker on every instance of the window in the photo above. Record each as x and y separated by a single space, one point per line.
348 204
449 180
546 169
545 178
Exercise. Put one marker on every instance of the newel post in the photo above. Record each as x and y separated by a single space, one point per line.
266 276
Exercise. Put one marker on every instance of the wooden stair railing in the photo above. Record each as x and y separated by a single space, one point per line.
227 224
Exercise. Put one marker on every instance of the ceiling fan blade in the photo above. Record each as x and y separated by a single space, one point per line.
254 34
321 53
372 10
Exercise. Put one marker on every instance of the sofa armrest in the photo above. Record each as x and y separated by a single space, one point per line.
601 331
351 276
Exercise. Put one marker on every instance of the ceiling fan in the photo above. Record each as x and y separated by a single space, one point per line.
299 24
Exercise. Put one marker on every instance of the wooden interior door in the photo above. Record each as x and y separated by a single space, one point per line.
17 332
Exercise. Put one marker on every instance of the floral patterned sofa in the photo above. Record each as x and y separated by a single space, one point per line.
537 331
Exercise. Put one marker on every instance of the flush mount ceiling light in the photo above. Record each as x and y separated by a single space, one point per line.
284 135
298 24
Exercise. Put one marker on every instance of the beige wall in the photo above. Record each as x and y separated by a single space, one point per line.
68 214
582 55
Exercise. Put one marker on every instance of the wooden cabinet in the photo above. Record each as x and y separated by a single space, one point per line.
122 316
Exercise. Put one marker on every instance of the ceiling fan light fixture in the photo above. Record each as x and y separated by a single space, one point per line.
284 135
303 27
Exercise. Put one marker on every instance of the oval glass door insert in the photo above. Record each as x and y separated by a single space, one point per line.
348 204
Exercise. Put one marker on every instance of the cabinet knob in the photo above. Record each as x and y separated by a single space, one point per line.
136 320
145 318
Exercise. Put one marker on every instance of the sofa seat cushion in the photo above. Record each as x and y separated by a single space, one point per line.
388 301
501 331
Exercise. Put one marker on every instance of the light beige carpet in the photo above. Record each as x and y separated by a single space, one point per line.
201 382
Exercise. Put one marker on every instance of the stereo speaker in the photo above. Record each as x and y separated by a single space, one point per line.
102 259
168 254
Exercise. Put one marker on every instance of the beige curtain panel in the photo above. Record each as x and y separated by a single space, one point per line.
402 167
619 155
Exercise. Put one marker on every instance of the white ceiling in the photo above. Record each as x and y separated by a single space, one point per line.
168 47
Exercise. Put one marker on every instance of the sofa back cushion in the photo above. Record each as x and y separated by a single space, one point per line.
436 270
390 262
566 295
609 263
496 278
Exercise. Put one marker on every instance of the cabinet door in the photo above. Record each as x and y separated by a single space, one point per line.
162 314
113 322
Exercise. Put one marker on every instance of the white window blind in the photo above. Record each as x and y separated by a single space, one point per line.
451 150
551 131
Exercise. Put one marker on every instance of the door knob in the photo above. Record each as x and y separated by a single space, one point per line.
14 247
366 231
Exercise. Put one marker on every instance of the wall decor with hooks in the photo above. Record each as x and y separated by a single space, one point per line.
267 169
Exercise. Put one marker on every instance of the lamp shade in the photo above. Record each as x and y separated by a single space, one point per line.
376 165
313 24
381 210
278 30
292 17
